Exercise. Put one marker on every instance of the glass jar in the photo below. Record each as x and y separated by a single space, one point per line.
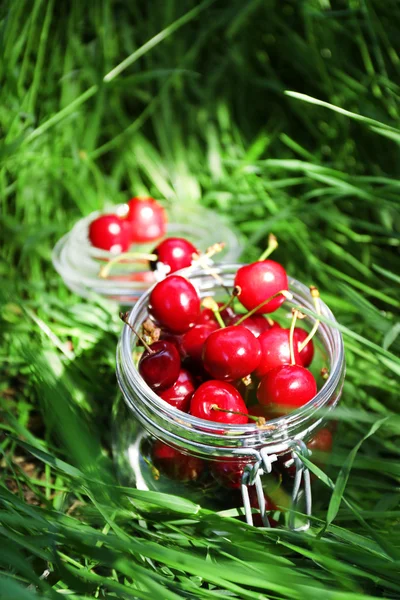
79 263
145 426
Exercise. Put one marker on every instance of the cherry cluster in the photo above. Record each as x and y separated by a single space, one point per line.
205 358
220 363
144 220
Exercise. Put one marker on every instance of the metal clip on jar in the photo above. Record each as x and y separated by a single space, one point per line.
146 418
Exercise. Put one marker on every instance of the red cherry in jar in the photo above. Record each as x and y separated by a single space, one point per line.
231 353
175 304
286 388
258 282
147 219
161 366
175 464
275 350
213 395
174 252
193 340
180 393
111 233
228 472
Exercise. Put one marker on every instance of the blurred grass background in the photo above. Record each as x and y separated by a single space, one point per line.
190 102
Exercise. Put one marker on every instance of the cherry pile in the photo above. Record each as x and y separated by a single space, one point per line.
226 362
219 364
145 221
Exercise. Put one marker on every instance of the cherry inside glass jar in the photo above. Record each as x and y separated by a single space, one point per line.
158 447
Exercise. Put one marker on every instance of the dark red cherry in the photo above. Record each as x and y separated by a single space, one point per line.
174 252
258 282
175 304
109 232
175 464
160 367
307 354
147 219
174 338
258 410
286 388
321 442
212 394
180 393
231 353
275 350
257 324
193 340
228 472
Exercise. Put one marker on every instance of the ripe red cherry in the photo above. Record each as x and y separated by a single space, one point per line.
231 353
223 395
260 280
228 472
275 350
147 219
307 354
193 340
175 304
257 324
175 339
321 442
286 388
175 464
160 367
174 252
109 232
180 393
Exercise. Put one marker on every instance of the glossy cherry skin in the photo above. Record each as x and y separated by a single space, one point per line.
257 324
147 219
160 368
175 464
174 252
228 472
275 350
231 353
111 233
175 304
175 339
286 388
260 280
193 340
225 396
180 394
307 354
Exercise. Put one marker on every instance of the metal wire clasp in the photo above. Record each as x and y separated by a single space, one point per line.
302 473
252 476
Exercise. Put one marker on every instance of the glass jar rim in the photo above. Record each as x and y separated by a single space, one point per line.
132 384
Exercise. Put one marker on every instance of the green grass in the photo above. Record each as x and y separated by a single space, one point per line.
284 116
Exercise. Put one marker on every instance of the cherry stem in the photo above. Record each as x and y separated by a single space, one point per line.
291 335
235 292
259 420
124 317
210 252
272 245
211 304
284 293
315 296
135 256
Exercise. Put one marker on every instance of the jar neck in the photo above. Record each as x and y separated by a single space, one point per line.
203 437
